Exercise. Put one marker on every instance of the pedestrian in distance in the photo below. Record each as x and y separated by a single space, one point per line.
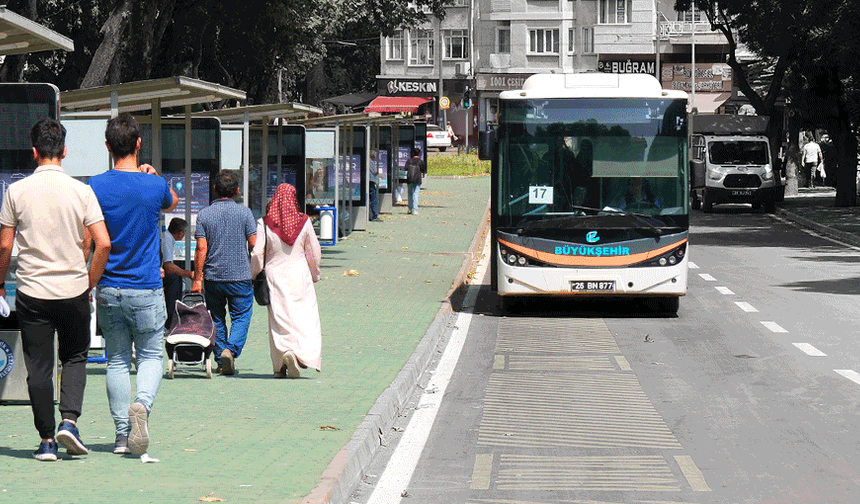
415 171
451 133
173 273
375 173
226 232
812 158
49 215
130 301
289 252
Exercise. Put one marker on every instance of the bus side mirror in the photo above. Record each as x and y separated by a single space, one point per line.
486 143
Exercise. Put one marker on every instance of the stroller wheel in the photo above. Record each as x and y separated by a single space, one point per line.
208 368
171 367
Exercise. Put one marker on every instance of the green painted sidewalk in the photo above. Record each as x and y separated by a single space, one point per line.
250 438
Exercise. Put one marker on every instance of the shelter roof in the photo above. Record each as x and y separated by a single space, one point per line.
258 113
19 35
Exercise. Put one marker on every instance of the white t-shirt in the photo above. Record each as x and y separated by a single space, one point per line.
168 246
50 210
811 153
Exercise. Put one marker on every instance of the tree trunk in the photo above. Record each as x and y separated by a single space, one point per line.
12 69
109 47
845 143
792 155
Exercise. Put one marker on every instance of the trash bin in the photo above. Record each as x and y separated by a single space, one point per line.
328 225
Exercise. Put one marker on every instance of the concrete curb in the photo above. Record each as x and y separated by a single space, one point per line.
843 236
345 471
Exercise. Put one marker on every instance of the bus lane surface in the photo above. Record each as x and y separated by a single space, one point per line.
745 396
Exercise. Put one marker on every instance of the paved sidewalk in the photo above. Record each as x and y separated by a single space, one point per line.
252 439
814 209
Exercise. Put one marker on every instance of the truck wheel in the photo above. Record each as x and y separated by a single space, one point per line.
770 204
695 202
707 202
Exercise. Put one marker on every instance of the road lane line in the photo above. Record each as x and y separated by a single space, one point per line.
692 265
725 291
743 305
694 476
499 361
773 326
706 277
622 363
810 350
482 471
400 467
850 374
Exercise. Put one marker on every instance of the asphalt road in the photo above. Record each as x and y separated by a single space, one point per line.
749 395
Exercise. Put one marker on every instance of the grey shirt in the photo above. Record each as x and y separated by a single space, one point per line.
226 226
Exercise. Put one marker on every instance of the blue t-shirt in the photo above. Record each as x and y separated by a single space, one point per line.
131 202
226 226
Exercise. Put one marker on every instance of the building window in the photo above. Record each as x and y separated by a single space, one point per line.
570 38
421 50
688 16
587 40
503 39
395 46
460 3
543 41
456 44
614 11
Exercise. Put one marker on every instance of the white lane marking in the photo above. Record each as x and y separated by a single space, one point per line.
743 305
398 472
706 277
725 291
773 326
690 471
810 350
850 374
692 265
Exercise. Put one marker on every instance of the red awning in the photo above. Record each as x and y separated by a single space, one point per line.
396 104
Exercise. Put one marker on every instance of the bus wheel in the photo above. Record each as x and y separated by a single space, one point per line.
670 304
510 304
707 202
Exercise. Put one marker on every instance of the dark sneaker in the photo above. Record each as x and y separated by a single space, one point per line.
47 451
120 446
138 438
227 368
67 435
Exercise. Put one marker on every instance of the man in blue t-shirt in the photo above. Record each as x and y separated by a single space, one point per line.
131 309
225 233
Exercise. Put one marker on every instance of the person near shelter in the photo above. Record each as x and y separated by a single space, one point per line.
415 171
130 301
53 214
173 273
451 133
226 232
375 172
290 253
812 158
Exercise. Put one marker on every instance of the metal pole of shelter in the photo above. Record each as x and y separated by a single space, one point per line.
188 187
280 152
246 157
337 172
264 173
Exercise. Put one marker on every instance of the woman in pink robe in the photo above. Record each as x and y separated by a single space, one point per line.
292 258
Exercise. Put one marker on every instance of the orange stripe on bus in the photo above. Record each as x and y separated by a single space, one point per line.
626 260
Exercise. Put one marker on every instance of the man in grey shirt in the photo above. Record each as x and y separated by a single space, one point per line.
225 233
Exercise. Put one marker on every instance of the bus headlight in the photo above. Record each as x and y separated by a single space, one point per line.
522 261
670 258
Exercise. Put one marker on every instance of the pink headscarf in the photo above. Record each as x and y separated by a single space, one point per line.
283 216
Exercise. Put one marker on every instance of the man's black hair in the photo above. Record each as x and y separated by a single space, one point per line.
416 151
226 184
177 224
49 138
122 133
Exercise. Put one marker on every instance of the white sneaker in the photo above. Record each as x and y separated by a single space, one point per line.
138 438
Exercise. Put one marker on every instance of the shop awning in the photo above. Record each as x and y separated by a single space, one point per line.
708 103
396 104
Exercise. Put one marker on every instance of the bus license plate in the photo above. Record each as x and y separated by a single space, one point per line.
742 193
592 285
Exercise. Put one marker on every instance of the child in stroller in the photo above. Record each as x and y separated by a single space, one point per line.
191 337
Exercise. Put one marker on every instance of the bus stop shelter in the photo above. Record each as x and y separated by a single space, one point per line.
19 35
263 114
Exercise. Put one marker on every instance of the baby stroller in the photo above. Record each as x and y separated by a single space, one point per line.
191 337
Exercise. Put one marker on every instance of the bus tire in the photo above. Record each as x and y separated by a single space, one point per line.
509 304
670 304
707 202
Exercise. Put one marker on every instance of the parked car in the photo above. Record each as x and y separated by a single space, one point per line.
437 138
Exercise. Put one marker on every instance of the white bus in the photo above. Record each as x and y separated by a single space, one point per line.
590 189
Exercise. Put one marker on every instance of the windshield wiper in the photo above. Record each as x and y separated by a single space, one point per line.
641 218
578 221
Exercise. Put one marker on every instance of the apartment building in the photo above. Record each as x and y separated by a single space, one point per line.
489 46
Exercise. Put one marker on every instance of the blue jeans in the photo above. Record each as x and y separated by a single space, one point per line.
239 296
132 318
374 201
414 189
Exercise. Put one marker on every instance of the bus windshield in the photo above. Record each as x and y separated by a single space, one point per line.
592 156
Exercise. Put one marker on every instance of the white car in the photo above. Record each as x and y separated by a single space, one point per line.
437 138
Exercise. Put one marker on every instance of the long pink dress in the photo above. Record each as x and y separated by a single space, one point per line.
294 319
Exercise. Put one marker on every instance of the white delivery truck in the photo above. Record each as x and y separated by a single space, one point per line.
731 162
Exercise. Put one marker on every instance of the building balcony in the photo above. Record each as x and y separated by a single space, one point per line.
681 32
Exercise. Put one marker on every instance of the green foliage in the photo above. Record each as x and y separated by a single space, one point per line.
466 165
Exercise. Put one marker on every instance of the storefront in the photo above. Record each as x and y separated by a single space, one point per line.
713 83
489 86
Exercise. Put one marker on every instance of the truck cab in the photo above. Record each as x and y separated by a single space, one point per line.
731 162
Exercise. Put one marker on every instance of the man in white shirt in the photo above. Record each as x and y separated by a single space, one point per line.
54 216
811 160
